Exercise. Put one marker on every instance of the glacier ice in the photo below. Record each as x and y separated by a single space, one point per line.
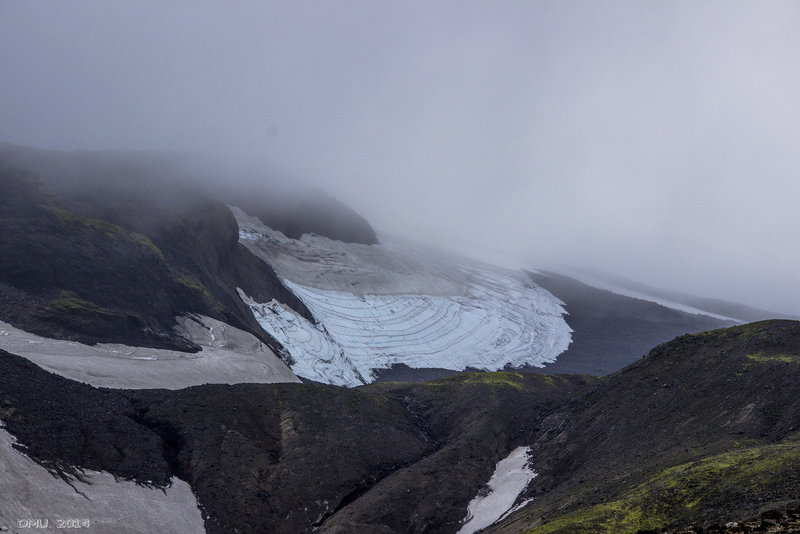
379 305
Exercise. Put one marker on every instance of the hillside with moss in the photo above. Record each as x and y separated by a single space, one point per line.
704 430
118 263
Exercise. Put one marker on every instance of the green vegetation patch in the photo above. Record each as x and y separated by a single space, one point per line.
112 231
761 330
70 302
685 493
193 284
494 379
760 357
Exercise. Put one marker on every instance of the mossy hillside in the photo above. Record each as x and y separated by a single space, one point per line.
761 357
761 333
723 487
191 283
111 231
694 397
492 379
70 302
499 379
136 258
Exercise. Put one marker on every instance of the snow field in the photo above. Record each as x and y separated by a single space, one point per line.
29 492
228 356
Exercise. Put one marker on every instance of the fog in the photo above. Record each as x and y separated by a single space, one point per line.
653 140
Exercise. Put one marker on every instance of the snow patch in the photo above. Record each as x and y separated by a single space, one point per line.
625 292
231 356
511 477
111 506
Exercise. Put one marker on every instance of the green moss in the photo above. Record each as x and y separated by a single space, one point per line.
683 493
193 284
743 369
547 379
112 231
760 357
70 302
145 241
746 332
494 379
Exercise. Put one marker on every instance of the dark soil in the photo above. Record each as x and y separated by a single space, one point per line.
65 425
289 458
772 521
401 372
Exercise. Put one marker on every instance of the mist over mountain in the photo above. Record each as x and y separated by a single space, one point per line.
656 142
399 268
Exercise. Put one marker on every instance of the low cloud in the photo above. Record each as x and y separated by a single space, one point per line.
657 141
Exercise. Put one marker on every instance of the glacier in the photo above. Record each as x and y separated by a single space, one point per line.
380 305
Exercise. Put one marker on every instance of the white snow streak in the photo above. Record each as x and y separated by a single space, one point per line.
625 292
511 477
230 356
29 491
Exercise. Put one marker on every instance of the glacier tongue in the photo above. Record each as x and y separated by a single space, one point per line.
315 354
381 305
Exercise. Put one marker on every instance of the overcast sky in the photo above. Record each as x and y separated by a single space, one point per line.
654 140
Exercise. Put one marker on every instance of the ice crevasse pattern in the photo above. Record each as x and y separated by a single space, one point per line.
500 321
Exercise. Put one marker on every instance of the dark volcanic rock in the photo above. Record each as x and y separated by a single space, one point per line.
395 457
290 458
111 264
64 424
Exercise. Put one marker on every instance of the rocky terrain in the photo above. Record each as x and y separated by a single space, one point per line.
702 431
103 247
770 521
159 283
122 276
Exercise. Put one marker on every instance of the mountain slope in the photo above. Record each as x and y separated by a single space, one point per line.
704 429
111 252
723 400
287 457
114 247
